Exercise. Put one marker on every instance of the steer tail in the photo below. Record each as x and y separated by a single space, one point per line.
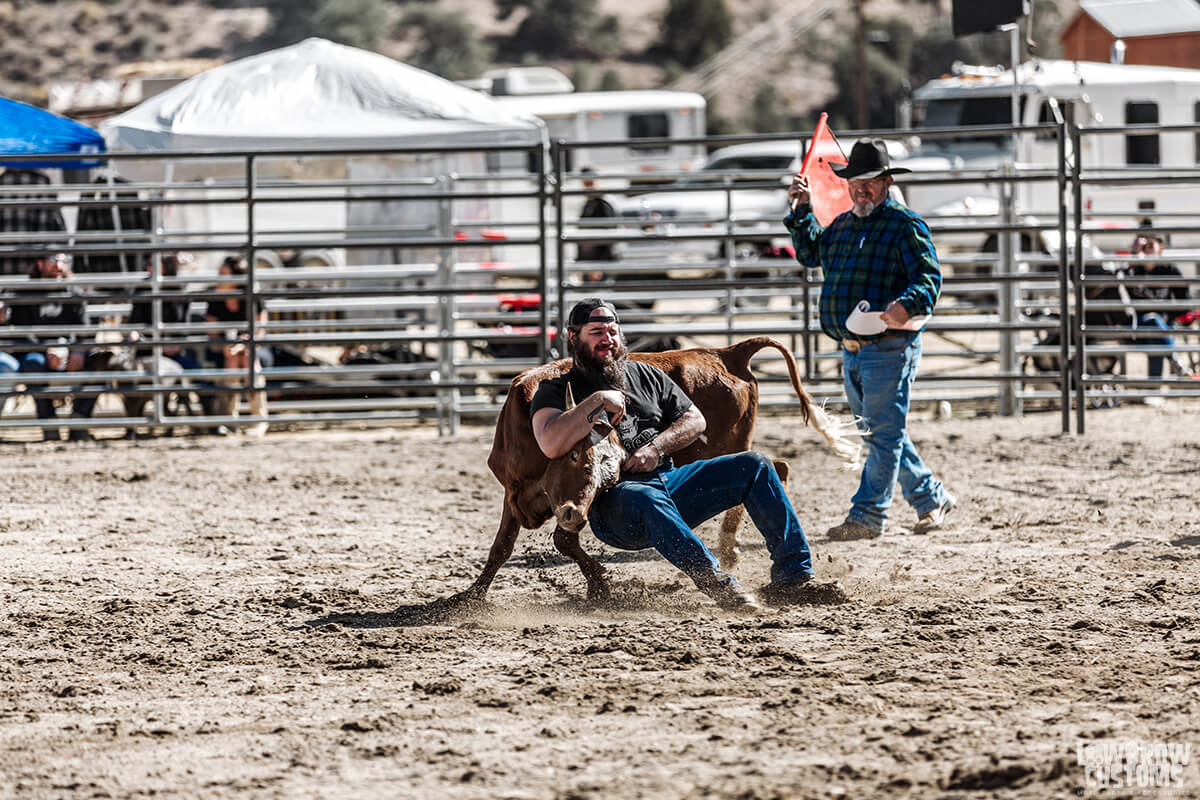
843 435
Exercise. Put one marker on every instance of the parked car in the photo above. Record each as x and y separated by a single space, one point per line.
740 190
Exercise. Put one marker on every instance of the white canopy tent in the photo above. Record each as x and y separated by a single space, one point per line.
318 94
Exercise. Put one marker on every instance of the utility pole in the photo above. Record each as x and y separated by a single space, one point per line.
860 51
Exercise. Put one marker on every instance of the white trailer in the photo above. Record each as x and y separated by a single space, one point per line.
583 117
1094 94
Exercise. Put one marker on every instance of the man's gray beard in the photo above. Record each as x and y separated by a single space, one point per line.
864 210
610 373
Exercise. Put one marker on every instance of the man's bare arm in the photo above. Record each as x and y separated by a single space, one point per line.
557 431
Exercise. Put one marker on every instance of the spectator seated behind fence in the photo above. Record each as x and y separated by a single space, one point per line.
229 349
52 307
173 312
1148 243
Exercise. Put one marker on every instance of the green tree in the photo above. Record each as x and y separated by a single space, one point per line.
611 81
557 29
898 60
291 21
581 76
693 30
886 84
448 44
359 23
767 112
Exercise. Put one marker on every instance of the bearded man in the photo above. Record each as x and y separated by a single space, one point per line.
655 503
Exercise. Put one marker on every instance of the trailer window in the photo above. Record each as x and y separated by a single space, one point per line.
969 111
1046 114
649 126
1141 149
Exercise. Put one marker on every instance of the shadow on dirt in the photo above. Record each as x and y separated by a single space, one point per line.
552 558
627 596
444 611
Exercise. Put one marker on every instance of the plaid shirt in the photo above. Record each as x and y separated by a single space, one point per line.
887 256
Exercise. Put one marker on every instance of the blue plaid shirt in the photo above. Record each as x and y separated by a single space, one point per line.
887 256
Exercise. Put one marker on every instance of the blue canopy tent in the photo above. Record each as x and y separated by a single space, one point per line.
26 129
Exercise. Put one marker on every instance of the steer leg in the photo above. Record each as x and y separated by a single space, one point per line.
502 549
727 543
567 543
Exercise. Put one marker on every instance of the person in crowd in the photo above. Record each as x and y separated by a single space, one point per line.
657 503
8 362
881 252
65 307
172 312
229 349
1150 244
9 365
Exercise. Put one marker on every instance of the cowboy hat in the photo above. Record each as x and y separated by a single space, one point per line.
868 159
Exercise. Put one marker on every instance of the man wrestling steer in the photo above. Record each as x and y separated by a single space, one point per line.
651 502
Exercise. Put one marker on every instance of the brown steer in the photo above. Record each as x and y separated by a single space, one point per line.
719 382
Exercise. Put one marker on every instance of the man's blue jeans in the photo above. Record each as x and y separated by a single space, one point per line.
878 380
660 509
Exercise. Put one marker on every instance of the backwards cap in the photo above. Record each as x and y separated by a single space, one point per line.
592 309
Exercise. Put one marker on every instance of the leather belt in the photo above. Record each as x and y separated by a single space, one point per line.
854 345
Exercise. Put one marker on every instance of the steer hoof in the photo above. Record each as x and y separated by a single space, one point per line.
599 591
471 598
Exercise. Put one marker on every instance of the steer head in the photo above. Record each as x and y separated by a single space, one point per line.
592 465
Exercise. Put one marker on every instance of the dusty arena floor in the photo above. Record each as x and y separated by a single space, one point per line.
197 617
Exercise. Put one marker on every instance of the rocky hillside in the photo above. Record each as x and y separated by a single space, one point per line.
72 40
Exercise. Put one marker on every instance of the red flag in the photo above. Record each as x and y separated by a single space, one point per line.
829 193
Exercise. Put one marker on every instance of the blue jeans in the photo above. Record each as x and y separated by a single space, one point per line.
660 509
878 381
1154 363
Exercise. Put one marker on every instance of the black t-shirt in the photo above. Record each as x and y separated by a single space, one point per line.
653 402
218 310
66 307
173 311
1151 292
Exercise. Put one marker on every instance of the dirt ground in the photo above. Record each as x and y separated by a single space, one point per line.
199 617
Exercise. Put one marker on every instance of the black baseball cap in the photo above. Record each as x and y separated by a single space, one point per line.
592 309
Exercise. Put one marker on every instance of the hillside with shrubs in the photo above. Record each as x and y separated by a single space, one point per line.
763 65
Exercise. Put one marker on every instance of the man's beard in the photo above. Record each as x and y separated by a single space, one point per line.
864 209
609 372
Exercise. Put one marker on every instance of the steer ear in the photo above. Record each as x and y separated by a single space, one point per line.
600 430
570 397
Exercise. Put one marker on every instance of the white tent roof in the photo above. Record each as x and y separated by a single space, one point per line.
316 94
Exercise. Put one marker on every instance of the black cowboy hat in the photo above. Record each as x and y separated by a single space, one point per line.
868 159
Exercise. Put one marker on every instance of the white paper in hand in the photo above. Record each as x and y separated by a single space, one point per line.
865 322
